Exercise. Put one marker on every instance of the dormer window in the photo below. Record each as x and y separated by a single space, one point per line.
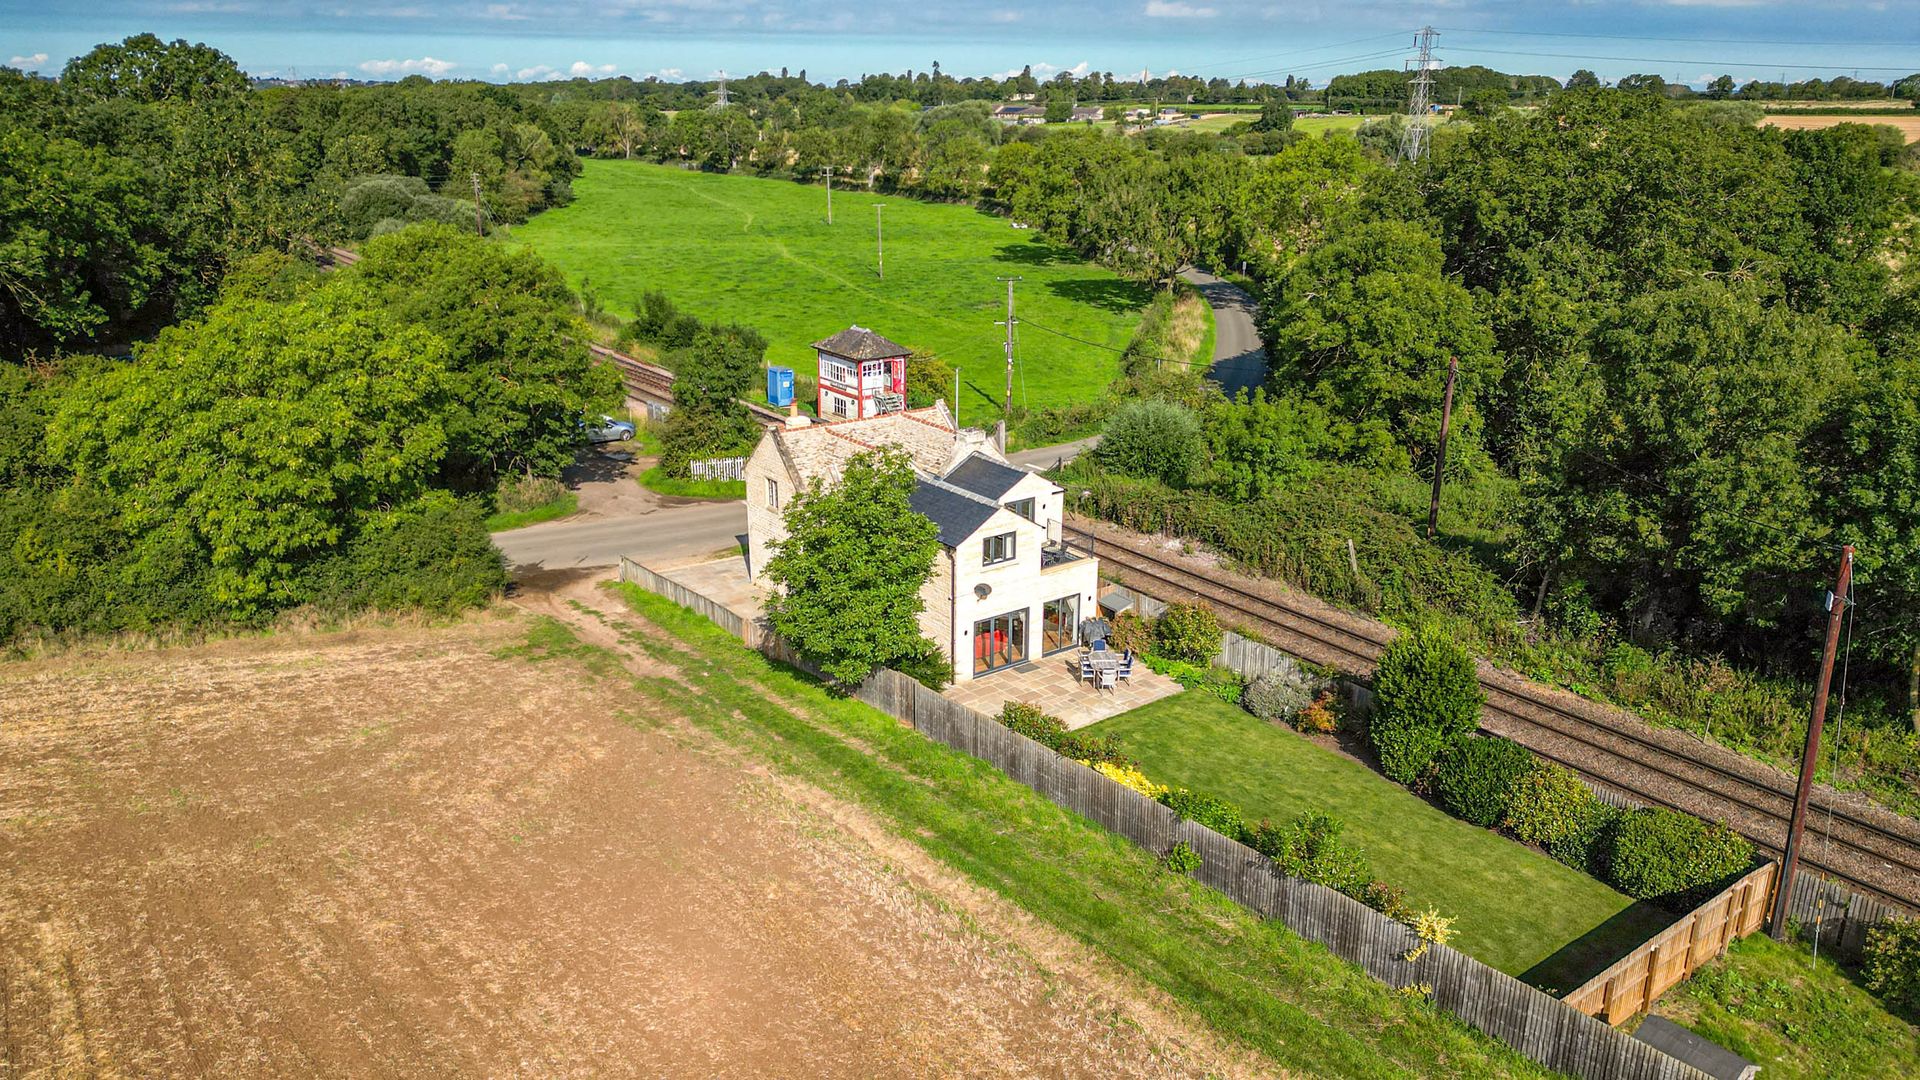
997 549
1023 507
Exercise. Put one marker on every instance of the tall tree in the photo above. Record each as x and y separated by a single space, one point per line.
851 569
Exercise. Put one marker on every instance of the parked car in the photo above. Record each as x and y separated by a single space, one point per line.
607 430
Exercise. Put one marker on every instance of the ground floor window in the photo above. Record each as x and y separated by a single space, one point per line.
999 642
1060 624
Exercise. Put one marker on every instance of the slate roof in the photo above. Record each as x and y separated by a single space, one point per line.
860 343
957 512
984 476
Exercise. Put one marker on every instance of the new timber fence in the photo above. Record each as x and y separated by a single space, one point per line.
1536 1024
1633 983
728 620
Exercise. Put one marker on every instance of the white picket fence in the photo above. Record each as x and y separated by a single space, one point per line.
726 468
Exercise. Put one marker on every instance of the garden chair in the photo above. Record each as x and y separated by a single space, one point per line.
1106 678
1086 669
1126 666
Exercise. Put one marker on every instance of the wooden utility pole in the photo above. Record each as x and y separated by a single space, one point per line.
1440 452
879 244
1790 858
1008 412
478 225
829 194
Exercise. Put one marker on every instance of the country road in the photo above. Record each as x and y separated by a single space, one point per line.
624 519
1239 359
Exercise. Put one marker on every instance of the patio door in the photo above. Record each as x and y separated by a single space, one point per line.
1060 624
999 642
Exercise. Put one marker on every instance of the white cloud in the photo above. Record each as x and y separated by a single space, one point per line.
583 70
504 13
500 69
28 63
426 65
667 74
1043 72
536 73
1177 9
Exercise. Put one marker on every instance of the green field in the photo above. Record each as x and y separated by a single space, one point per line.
1518 910
759 252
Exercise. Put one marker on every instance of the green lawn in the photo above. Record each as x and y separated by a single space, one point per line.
1794 1016
759 252
1305 1011
1518 910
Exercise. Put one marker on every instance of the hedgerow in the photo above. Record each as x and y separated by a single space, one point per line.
1215 813
1476 777
1660 854
1189 632
1548 804
1890 965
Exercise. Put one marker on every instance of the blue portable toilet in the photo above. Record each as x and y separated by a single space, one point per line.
780 386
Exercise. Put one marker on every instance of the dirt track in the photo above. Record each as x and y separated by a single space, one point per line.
396 853
1908 125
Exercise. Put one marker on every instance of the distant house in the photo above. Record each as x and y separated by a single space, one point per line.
1005 589
1088 114
860 374
1138 115
1021 114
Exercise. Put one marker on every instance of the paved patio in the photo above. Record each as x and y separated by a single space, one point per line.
1054 685
723 581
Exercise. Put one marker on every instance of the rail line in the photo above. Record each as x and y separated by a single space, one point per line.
1865 855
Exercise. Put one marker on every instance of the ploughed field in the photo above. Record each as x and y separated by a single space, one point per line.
409 851
760 252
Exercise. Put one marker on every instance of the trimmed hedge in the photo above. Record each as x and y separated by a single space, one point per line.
1426 695
1548 804
1659 854
1051 732
1476 777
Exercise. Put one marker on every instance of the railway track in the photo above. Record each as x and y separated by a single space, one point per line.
1654 766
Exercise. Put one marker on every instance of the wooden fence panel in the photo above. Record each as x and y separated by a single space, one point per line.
1543 1028
680 594
1632 983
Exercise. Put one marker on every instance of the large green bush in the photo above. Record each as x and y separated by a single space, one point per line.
1476 777
1426 695
432 554
1157 440
1548 803
1890 964
1187 632
1215 813
1660 854
1585 844
1310 847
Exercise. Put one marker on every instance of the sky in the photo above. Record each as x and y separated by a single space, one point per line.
1259 40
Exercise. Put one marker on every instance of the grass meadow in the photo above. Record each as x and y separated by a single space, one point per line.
760 252
1518 910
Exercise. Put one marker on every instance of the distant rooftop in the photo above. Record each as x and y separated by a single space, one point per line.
984 476
860 343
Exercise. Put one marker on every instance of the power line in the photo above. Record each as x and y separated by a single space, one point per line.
1294 54
1413 141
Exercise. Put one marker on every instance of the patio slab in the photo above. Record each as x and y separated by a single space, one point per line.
1054 686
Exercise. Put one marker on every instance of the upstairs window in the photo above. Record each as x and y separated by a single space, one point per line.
773 493
1023 507
997 549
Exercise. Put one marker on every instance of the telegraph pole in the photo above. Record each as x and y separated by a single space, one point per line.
1413 144
879 244
1440 452
478 226
1790 858
1009 325
829 171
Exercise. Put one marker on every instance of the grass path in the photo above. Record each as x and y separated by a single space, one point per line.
1292 1002
759 252
1518 910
